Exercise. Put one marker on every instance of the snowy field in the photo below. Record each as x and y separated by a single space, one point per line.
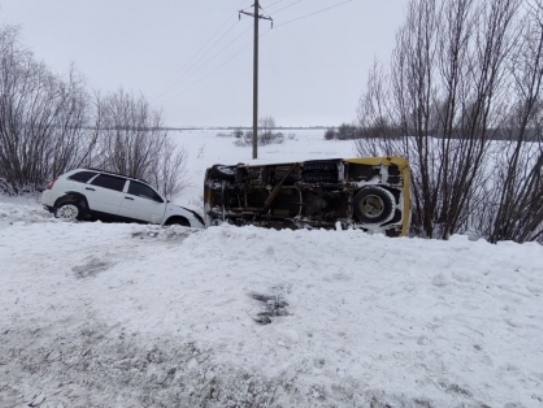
118 315
206 149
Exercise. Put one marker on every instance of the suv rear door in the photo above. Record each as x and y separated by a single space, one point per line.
142 203
105 193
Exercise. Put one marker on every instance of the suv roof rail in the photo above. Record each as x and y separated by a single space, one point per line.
116 174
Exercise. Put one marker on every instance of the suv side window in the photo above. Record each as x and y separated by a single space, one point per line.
110 182
141 190
82 176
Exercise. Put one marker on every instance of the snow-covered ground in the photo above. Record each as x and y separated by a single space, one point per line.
118 315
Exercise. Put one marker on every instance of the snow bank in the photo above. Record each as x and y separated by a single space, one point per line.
95 314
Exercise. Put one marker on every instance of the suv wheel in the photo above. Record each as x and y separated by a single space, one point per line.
178 221
69 211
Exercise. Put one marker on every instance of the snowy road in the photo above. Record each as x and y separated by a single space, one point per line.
109 315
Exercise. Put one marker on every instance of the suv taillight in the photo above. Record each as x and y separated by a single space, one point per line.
52 183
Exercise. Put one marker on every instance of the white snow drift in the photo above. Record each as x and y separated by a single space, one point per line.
96 314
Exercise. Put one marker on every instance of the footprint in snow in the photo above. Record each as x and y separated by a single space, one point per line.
91 268
272 306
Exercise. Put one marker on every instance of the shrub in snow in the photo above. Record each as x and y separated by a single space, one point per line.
264 139
330 134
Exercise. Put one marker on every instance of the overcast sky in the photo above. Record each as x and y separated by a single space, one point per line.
193 58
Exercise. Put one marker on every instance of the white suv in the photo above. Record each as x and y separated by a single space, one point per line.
98 194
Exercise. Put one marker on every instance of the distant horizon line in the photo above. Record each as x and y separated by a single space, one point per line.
242 127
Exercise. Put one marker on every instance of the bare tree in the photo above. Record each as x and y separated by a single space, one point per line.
517 194
441 101
377 119
132 142
42 118
48 126
266 134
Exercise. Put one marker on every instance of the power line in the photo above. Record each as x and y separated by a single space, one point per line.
183 67
260 36
251 43
273 4
211 72
286 7
173 79
199 64
270 6
312 14
219 66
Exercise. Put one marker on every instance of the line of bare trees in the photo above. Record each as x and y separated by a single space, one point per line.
461 100
50 124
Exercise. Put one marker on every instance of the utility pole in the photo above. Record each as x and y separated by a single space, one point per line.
257 17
